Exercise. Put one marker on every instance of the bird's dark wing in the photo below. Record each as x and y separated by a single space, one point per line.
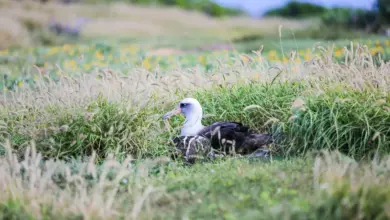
234 136
225 136
226 126
254 142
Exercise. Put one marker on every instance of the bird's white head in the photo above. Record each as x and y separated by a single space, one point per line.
193 112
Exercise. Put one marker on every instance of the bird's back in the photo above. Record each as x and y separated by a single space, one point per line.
228 136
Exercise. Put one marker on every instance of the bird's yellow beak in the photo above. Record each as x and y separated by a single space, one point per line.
169 114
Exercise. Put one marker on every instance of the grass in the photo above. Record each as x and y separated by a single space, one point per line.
321 187
82 135
19 67
107 115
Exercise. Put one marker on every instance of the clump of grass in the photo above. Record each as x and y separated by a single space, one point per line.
105 128
351 190
352 121
53 188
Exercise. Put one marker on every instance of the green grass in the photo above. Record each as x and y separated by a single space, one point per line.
104 153
340 118
303 188
17 65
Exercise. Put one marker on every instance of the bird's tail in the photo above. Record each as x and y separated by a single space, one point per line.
256 141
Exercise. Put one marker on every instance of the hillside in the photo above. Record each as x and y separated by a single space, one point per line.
27 23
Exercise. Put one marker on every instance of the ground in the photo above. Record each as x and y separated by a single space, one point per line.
83 136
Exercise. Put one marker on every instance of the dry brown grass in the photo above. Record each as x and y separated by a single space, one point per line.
139 86
352 185
117 190
56 185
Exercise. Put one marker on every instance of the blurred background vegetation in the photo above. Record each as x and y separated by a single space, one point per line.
53 22
374 21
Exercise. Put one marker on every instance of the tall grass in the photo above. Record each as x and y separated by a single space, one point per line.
351 190
319 104
329 185
94 145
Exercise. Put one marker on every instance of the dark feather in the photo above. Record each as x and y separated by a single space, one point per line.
218 140
234 137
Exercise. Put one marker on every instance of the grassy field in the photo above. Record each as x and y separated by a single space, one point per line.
103 148
83 138
23 66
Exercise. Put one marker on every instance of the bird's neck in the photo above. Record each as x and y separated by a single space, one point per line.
192 125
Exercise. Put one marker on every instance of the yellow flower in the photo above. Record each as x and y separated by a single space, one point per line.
133 49
244 59
307 56
53 50
73 63
373 51
272 55
377 50
146 64
20 84
99 55
66 47
4 52
87 66
202 60
338 53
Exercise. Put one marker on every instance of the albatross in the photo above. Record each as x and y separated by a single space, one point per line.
227 137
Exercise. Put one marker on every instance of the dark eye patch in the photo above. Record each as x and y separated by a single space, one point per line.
182 105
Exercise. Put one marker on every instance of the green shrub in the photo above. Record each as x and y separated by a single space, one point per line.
351 19
206 6
336 17
383 8
296 9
